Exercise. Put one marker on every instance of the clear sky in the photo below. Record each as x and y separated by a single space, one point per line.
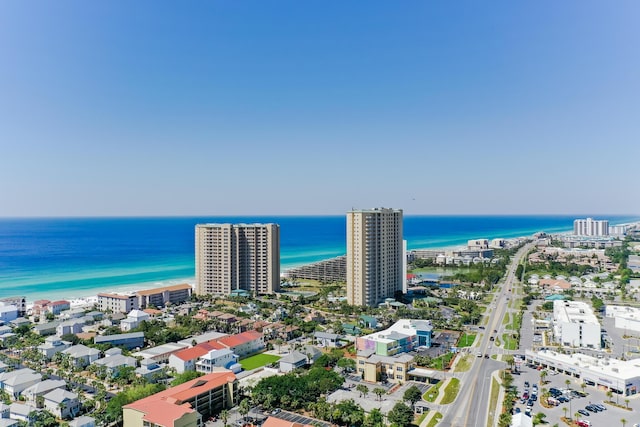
315 107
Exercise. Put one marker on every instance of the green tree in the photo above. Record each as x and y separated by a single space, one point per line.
346 364
244 407
412 395
379 391
401 415
362 389
374 419
623 421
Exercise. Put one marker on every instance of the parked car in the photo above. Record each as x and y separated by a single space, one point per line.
583 412
584 423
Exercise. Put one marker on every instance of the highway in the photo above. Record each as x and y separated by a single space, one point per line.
471 407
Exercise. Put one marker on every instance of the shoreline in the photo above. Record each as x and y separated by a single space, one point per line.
89 294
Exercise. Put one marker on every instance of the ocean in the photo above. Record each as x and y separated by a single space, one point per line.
77 257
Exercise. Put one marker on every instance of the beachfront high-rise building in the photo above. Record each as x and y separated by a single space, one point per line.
237 257
591 227
375 255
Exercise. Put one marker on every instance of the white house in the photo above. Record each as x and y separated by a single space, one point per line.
113 362
20 412
62 403
15 384
53 345
81 356
293 361
133 320
42 388
8 312
223 358
72 326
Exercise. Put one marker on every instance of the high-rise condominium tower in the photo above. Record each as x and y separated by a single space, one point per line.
591 227
237 257
375 255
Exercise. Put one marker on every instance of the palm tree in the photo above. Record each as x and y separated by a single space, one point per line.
543 375
224 416
609 394
626 401
583 386
244 407
565 411
577 415
623 421
379 391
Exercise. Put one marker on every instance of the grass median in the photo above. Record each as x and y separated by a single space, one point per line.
432 394
451 392
493 401
435 420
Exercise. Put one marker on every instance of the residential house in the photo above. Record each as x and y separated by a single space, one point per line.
8 422
150 370
223 358
82 356
72 326
244 344
325 339
114 360
292 361
53 345
185 360
14 385
21 412
8 312
57 307
62 403
161 353
32 393
4 410
133 320
129 341
185 405
49 328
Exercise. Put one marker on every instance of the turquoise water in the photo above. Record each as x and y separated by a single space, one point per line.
76 257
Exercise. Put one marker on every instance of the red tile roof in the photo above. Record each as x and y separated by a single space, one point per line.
239 339
116 296
167 406
61 302
198 350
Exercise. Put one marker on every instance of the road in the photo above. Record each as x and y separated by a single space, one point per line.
472 404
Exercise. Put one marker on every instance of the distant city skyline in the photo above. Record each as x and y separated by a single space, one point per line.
313 108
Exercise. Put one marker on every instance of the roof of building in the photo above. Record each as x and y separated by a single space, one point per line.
293 357
59 302
22 379
8 422
320 334
137 314
239 339
46 385
108 338
59 395
574 312
154 291
168 405
197 351
115 296
81 350
21 409
399 330
117 361
161 349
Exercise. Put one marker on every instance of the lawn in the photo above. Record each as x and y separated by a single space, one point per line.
509 342
451 392
258 361
466 340
505 321
464 364
435 420
432 394
442 361
516 323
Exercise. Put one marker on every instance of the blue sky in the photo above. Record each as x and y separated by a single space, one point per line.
315 107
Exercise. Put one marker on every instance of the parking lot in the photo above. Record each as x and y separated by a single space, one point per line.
612 416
